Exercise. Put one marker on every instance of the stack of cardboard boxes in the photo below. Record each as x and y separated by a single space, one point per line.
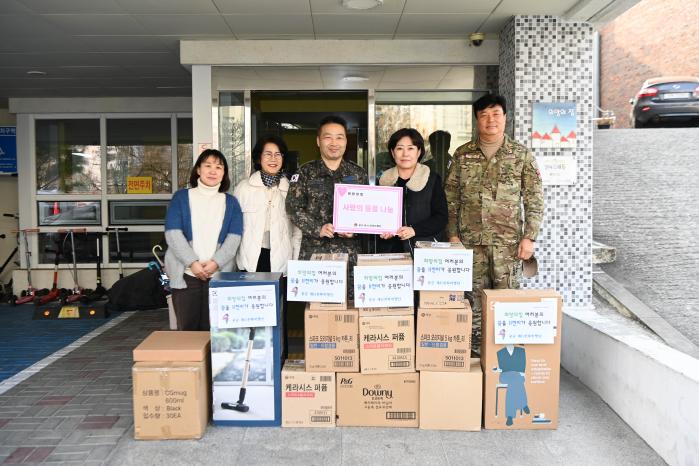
450 381
368 363
171 386
386 391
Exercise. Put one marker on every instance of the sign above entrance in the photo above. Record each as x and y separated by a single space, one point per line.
367 209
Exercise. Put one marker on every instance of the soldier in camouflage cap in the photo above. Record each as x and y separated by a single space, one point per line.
496 203
309 202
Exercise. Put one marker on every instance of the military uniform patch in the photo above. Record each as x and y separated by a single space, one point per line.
294 178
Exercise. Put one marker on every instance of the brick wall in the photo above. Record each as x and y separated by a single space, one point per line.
653 38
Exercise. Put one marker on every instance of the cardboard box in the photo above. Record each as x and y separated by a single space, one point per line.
308 398
331 340
386 400
399 258
246 387
387 344
521 379
170 399
443 339
386 311
452 400
336 256
442 299
173 346
171 386
384 281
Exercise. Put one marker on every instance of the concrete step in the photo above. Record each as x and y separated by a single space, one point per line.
602 254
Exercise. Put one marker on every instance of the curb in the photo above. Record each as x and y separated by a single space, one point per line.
629 305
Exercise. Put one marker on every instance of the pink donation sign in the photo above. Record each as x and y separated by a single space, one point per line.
361 208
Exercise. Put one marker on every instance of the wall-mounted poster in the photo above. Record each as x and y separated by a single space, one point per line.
554 125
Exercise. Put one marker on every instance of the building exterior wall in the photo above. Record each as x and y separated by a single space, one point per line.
653 38
8 194
546 59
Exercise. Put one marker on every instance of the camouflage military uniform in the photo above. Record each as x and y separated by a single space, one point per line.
309 205
485 200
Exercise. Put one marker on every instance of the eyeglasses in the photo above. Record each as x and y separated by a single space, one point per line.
272 155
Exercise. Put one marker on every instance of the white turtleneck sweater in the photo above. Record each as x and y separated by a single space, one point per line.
208 207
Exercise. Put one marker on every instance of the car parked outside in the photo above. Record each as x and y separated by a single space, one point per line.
664 99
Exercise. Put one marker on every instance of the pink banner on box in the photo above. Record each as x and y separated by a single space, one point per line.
359 208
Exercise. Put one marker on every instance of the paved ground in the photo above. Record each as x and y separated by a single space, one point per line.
25 341
646 204
78 410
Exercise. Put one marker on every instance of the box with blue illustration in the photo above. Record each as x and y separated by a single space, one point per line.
245 309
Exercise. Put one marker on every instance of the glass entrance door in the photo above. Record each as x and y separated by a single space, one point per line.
294 116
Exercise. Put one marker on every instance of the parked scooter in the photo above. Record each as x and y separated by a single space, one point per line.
54 293
116 231
78 291
27 296
100 291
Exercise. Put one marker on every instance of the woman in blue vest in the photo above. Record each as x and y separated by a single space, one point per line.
425 211
203 227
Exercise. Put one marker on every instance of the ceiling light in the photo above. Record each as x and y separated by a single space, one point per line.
355 79
361 4
36 73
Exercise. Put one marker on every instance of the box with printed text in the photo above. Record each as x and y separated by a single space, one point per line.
331 340
387 344
308 398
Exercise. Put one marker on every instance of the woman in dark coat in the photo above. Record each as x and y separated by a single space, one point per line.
425 213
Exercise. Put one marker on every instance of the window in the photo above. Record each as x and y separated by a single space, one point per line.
139 149
136 247
80 187
69 213
137 212
232 134
184 151
84 245
68 156
443 118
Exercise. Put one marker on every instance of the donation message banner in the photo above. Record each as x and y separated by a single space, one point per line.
243 306
443 269
359 208
317 281
383 286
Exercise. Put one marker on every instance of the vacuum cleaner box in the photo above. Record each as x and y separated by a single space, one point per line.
378 400
452 400
171 399
171 387
246 348
387 344
308 398
443 339
331 340
442 299
521 356
331 256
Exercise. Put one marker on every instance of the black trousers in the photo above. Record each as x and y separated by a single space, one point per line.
263 263
192 304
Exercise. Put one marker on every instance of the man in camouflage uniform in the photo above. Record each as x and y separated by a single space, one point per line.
496 203
309 202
